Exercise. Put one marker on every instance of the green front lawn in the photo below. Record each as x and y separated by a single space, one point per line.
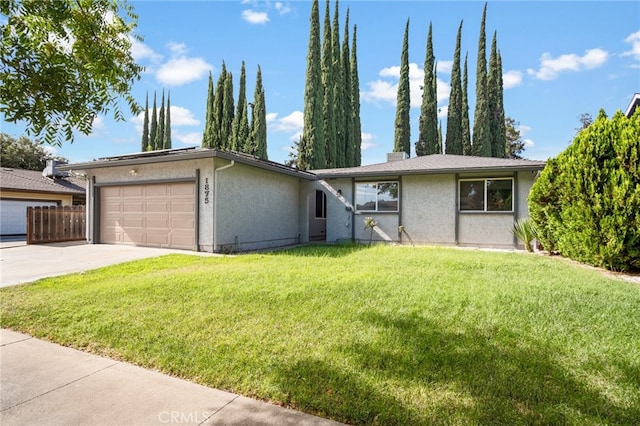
365 335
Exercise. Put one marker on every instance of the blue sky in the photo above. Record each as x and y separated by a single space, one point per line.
560 59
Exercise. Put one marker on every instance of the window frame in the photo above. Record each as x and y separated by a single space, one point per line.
323 205
377 196
486 188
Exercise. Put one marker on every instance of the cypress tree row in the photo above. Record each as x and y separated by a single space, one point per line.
218 108
228 113
328 105
466 129
481 131
258 132
154 126
144 145
402 135
311 148
167 127
349 153
453 142
355 104
428 139
207 137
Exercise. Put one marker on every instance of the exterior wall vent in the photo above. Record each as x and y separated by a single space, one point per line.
397 156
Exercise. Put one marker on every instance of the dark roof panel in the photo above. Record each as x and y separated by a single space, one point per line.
33 181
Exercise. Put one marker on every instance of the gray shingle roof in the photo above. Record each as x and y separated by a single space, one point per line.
33 181
434 164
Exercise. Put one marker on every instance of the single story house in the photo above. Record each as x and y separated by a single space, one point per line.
20 189
209 200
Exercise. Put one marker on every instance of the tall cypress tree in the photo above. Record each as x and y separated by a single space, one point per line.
209 123
355 103
240 126
453 142
160 135
349 153
154 126
481 131
144 145
402 136
328 105
497 127
258 134
466 129
439 138
503 122
167 127
428 139
338 89
311 151
218 110
228 113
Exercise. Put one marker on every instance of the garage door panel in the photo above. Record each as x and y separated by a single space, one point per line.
156 215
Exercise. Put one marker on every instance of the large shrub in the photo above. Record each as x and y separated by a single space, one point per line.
586 202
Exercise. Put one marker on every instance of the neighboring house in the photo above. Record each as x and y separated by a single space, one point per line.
635 102
20 189
214 201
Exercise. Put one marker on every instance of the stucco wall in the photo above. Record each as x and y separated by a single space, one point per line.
428 208
255 209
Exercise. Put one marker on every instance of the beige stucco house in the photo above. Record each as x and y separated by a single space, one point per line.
214 201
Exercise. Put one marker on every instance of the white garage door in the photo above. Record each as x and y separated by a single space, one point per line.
156 215
13 214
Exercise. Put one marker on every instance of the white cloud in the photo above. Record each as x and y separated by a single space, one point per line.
177 48
190 138
528 143
182 70
550 68
292 123
253 17
50 150
523 129
141 51
634 40
387 91
271 117
443 111
367 141
282 8
445 66
182 117
511 79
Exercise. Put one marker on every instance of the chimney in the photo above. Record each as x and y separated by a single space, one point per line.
51 171
397 156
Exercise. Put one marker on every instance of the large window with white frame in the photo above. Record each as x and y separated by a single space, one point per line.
485 195
377 196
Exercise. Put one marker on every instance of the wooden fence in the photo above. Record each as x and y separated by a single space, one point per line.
56 224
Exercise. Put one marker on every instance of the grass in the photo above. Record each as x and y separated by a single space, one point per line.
365 335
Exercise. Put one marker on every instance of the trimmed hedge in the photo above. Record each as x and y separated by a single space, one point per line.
586 202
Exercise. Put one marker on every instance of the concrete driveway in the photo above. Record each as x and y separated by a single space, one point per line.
22 263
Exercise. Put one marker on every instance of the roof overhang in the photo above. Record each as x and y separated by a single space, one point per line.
635 103
194 153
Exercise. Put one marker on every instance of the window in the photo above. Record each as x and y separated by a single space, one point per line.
321 205
486 195
377 197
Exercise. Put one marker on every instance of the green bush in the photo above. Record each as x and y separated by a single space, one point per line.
586 202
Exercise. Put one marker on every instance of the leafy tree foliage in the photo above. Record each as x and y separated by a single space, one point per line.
453 141
349 151
209 126
515 144
23 153
144 144
167 126
240 125
466 127
154 126
258 133
160 134
328 105
428 138
64 62
402 135
586 202
497 131
338 90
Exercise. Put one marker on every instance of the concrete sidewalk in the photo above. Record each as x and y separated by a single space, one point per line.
47 384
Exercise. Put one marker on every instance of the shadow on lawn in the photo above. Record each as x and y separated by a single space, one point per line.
436 377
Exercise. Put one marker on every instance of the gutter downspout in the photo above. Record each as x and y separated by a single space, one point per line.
215 202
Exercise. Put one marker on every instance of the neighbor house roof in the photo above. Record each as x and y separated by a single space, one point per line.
635 102
192 153
34 181
434 164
